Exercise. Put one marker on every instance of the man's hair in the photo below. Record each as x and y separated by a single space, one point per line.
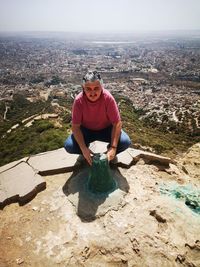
92 76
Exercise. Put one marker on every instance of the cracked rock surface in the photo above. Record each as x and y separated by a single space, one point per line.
145 228
20 180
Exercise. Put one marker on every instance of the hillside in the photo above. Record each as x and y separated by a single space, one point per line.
39 126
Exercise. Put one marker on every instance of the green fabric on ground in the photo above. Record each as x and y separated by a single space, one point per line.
100 179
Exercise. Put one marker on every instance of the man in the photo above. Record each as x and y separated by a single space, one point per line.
95 116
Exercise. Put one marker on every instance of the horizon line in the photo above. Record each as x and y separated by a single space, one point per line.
99 31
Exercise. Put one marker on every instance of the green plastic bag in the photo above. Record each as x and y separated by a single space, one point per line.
100 179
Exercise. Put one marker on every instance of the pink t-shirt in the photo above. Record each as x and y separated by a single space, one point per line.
95 115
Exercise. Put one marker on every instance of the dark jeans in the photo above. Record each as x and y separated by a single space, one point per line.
103 135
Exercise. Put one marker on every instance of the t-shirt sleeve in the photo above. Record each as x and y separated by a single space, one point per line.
76 113
112 110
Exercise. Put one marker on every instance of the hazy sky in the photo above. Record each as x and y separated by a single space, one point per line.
99 15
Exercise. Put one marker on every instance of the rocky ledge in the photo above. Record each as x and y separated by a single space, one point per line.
151 219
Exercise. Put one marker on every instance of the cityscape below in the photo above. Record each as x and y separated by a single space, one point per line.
158 73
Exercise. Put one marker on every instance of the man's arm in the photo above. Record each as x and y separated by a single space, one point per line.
80 140
116 131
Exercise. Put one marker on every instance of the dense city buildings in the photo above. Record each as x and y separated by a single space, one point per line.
159 74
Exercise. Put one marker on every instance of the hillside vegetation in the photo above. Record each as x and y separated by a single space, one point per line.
44 135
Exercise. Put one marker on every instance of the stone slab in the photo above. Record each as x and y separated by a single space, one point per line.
19 184
98 147
19 179
137 154
53 162
59 160
12 164
128 156
90 206
124 158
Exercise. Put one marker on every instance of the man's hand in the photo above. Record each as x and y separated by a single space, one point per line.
111 153
87 155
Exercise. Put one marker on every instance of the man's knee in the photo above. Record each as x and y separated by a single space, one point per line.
68 146
124 142
127 141
71 146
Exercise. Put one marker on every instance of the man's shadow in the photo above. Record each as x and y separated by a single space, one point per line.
86 202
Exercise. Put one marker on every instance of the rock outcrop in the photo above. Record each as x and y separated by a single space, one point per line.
191 162
139 224
20 180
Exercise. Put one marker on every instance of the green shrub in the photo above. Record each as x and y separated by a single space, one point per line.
42 125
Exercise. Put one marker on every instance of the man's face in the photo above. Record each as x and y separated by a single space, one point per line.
92 90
